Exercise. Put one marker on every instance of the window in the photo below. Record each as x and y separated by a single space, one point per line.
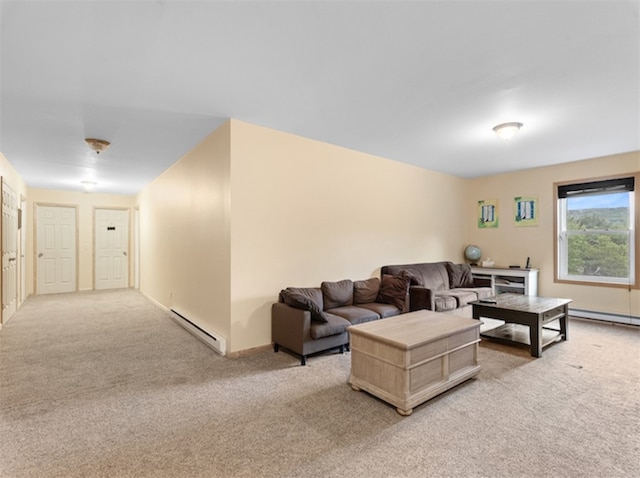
596 239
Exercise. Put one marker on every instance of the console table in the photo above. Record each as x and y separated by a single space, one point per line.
505 279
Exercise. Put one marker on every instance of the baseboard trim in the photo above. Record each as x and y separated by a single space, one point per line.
215 341
605 316
155 302
251 351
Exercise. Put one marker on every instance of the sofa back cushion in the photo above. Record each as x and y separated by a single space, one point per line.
366 291
337 294
431 275
306 299
459 275
394 290
314 293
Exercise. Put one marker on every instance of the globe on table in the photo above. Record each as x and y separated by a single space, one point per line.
473 254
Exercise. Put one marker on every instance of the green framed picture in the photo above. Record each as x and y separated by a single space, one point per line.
525 211
487 213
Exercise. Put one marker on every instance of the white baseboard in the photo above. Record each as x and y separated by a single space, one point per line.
215 341
155 302
618 318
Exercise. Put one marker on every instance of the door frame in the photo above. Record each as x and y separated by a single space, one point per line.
22 237
136 248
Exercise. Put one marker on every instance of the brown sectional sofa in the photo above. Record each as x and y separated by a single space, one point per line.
441 286
307 320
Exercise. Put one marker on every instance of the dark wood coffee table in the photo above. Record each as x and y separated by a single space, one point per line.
527 310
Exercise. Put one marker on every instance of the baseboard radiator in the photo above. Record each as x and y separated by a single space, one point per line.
618 318
216 342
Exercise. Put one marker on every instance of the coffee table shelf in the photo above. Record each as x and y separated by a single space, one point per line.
519 334
526 318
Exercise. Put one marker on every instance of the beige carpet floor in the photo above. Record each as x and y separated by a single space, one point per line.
104 384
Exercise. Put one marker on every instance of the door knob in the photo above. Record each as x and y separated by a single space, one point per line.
40 255
124 253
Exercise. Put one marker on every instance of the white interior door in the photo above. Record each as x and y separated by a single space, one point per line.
56 252
111 248
22 238
9 252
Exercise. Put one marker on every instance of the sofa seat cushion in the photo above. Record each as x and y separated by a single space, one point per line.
443 303
383 310
355 315
334 325
337 294
461 296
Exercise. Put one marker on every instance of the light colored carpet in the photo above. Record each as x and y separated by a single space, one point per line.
105 384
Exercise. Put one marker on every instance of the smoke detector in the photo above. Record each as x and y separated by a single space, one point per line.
98 145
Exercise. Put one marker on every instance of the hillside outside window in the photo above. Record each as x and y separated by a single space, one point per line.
596 240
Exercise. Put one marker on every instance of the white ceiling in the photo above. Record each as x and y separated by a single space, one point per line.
418 82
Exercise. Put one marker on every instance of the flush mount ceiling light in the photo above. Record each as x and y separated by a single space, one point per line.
98 145
507 130
88 185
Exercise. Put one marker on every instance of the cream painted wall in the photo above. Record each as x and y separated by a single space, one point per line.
304 212
85 204
184 235
251 211
508 244
13 179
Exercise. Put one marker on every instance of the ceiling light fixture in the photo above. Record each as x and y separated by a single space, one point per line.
88 185
507 130
98 145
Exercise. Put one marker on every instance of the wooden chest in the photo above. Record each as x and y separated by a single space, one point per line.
408 359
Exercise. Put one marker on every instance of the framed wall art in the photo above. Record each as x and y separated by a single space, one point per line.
525 210
487 213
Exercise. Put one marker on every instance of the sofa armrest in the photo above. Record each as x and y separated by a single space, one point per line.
290 327
421 298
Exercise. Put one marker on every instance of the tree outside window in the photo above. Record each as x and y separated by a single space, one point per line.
596 240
